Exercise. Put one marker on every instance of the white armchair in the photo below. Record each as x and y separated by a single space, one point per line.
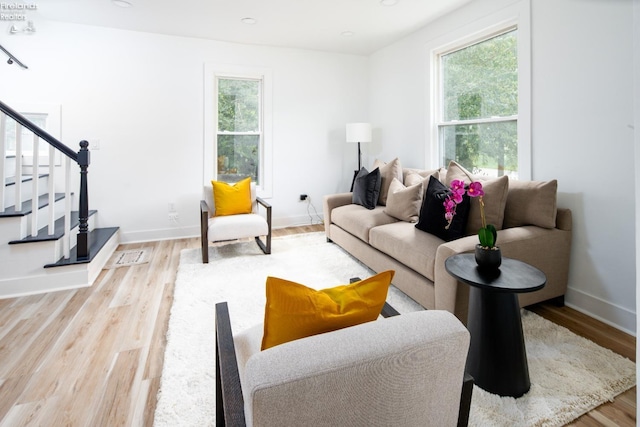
407 371
232 227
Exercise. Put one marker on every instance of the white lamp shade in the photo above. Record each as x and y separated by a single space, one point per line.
358 132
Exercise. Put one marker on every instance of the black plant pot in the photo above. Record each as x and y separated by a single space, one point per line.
488 259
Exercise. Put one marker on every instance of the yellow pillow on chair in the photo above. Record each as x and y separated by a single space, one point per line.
295 311
232 199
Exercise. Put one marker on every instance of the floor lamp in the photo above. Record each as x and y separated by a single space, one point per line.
358 132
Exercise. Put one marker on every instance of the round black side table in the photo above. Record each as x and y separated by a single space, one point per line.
497 357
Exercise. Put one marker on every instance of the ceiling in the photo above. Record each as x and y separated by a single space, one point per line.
306 24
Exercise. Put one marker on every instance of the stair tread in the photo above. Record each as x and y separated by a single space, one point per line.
43 233
27 206
25 178
97 239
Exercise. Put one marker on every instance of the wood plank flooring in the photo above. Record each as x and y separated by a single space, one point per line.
93 356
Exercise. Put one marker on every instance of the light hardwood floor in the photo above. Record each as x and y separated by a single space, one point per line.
93 356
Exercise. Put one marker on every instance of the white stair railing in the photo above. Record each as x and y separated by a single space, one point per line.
55 180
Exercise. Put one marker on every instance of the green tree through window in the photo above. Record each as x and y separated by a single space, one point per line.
239 132
479 105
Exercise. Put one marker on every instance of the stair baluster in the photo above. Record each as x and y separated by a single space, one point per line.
3 173
18 189
52 190
35 190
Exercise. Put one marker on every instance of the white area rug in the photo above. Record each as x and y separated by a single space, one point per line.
569 375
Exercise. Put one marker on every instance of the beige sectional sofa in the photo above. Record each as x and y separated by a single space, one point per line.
530 228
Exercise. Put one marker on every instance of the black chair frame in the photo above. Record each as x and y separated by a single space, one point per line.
204 226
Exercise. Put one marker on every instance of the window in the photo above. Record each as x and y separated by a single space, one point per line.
239 132
477 111
237 128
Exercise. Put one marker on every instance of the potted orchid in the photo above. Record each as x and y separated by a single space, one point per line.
487 254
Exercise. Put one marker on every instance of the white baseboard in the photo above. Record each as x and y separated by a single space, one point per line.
611 314
194 231
159 234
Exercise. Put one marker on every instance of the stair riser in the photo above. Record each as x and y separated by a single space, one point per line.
43 215
59 278
13 228
27 190
26 259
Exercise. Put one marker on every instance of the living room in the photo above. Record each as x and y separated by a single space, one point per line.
142 96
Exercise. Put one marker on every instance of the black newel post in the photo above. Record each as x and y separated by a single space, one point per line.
84 159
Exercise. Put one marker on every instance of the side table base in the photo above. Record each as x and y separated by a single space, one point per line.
497 356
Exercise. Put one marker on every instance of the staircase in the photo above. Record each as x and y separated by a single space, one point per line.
46 245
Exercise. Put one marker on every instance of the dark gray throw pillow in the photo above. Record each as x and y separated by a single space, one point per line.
366 189
432 213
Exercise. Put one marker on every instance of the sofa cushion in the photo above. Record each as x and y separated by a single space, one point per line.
495 197
366 188
403 202
410 246
432 212
531 203
388 171
358 220
294 311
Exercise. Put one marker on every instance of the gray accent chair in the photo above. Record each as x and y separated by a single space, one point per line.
406 370
232 227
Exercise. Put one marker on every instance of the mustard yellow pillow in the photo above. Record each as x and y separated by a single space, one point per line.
294 311
232 199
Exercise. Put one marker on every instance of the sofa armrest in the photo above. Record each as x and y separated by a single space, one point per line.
564 219
331 202
547 249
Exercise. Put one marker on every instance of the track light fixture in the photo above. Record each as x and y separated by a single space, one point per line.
12 58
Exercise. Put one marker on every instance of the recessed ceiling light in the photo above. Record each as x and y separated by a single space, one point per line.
388 2
347 34
248 21
122 3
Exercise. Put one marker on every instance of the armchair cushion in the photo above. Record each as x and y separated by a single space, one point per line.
232 199
294 311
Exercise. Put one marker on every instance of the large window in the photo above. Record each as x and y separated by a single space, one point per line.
477 104
238 125
239 132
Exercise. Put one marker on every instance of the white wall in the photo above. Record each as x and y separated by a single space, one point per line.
582 117
142 96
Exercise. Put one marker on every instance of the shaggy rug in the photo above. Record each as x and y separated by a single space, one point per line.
569 374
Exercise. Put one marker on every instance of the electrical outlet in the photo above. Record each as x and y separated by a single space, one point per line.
173 216
303 197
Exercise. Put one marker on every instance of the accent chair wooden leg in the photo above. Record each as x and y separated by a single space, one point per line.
205 251
465 401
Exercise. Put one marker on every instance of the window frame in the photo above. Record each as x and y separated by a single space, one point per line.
213 73
517 17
